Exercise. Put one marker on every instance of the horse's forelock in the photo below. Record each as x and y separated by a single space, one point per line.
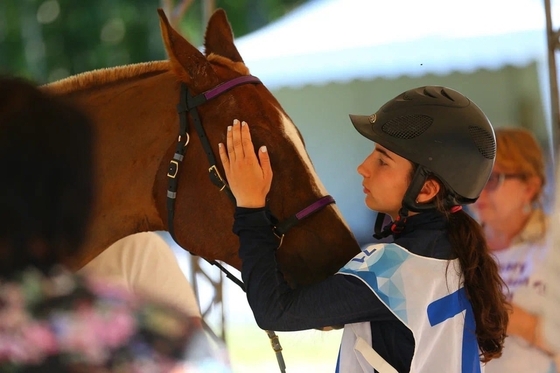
239 67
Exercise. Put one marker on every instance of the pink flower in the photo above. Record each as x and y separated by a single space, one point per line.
76 336
13 314
40 336
13 348
119 326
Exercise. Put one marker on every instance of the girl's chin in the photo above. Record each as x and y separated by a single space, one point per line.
369 203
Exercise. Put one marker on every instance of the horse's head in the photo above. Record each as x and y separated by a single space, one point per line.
318 245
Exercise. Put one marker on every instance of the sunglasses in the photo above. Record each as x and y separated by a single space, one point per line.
497 179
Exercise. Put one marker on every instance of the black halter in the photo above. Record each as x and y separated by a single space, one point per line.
187 105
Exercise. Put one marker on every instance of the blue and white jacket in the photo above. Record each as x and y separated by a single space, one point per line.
426 295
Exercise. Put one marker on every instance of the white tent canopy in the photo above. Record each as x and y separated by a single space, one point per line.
340 40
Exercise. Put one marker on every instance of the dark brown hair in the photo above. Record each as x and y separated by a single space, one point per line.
482 281
47 178
480 274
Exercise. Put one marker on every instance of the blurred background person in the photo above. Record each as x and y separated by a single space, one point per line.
146 266
510 209
50 319
548 335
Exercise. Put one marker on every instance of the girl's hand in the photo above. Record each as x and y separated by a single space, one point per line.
249 178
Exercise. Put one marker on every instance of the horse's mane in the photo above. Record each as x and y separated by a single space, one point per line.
99 77
106 75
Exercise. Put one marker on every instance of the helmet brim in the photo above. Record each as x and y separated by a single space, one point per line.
364 125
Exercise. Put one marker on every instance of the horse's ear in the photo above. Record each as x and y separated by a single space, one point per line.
219 37
187 61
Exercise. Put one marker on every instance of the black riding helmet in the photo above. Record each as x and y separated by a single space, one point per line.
444 133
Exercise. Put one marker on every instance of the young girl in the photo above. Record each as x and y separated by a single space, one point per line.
431 300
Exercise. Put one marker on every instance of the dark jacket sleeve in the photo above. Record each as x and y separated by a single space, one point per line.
335 301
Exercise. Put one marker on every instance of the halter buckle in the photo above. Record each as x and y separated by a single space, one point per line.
173 169
187 139
213 170
280 236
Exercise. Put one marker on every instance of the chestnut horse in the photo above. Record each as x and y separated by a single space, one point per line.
137 127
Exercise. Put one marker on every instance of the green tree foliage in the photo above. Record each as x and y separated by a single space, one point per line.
244 15
46 40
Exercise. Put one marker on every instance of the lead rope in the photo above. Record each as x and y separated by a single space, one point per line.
183 108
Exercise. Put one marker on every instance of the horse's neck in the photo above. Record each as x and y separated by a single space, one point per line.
135 124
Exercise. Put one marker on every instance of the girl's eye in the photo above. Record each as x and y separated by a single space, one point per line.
381 162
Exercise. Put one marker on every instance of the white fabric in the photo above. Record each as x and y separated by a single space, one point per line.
325 41
368 357
427 296
350 359
145 265
522 268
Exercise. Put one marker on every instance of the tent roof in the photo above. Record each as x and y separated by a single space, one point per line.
326 41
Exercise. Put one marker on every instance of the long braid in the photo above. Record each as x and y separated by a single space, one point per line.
482 281
483 284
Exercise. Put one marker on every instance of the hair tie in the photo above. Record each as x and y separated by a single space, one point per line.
454 209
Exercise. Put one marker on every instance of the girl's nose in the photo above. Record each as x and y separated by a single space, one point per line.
362 170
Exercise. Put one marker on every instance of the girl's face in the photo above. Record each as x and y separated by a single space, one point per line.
386 179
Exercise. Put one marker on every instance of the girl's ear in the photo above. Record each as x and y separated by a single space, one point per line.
429 190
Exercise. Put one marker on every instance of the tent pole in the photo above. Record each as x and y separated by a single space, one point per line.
553 45
208 7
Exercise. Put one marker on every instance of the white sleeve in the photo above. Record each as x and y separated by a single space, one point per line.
146 265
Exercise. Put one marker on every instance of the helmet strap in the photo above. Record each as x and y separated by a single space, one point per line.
395 227
416 184
378 228
408 204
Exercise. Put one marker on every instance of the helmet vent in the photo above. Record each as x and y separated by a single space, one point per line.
484 141
444 93
407 127
429 92
406 96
